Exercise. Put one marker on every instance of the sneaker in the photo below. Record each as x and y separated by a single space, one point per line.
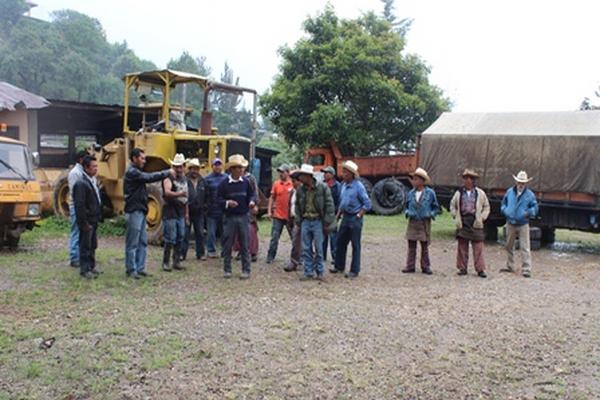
526 274
427 271
335 271
178 267
89 275
144 274
254 258
166 268
482 274
212 255
408 270
307 277
227 275
351 275
462 272
290 268
202 258
245 275
133 275
507 269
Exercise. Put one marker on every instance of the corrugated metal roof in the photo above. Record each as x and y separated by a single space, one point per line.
579 123
12 98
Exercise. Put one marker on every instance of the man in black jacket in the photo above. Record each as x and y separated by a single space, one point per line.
86 197
136 208
197 192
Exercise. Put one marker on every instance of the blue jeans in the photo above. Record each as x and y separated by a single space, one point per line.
214 228
276 228
312 232
136 242
236 225
74 236
197 223
330 240
350 232
174 231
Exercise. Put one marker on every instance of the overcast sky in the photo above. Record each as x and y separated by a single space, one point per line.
510 55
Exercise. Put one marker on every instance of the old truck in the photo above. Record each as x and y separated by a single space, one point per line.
560 150
386 177
20 194
162 132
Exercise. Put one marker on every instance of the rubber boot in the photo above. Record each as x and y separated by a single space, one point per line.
167 257
177 259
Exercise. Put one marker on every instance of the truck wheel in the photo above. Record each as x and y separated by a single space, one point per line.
548 235
154 218
13 242
60 197
388 197
491 232
535 233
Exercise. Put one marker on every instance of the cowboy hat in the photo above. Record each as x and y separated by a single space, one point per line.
194 162
420 172
306 169
471 173
237 160
352 167
522 177
179 160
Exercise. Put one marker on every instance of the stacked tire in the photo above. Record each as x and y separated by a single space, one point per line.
388 197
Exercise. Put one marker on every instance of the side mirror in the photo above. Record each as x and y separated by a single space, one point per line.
35 158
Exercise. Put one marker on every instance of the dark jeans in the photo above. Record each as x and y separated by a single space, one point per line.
330 240
88 242
411 259
236 225
276 229
197 224
350 231
214 229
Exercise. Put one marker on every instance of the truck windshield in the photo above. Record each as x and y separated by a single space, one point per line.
18 158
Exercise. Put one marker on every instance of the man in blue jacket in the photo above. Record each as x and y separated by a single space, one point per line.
518 206
214 214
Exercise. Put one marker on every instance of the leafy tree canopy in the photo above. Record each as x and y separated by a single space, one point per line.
349 81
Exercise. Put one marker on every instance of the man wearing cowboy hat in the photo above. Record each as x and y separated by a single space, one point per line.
354 203
277 209
175 213
296 251
470 208
237 197
197 191
136 208
214 213
518 206
315 215
421 207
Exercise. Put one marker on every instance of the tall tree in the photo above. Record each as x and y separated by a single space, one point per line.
349 81
230 114
11 12
400 26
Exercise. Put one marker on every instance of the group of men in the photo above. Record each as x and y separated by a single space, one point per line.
316 214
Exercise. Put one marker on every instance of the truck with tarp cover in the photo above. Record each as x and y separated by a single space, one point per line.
560 150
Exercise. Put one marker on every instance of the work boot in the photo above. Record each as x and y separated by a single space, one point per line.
482 274
426 271
245 275
526 274
177 260
408 270
507 269
462 272
166 257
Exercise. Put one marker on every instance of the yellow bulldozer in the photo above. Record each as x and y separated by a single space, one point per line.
20 194
161 133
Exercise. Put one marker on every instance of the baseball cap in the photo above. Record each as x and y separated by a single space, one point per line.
217 161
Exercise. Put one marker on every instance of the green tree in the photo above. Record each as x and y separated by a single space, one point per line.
349 81
229 111
11 12
400 26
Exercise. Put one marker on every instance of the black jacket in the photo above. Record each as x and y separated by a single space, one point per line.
134 187
197 198
88 210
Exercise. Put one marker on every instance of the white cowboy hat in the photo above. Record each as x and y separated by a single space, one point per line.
178 160
306 169
522 177
352 167
420 172
471 173
237 160
194 162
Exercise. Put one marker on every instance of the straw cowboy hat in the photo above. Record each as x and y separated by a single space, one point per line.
352 167
179 160
471 173
237 160
522 177
420 172
194 162
306 169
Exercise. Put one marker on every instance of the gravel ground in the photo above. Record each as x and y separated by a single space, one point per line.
385 335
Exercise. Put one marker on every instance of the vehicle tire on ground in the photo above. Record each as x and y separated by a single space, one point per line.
535 233
60 196
548 235
367 184
535 244
12 242
491 232
154 222
388 197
